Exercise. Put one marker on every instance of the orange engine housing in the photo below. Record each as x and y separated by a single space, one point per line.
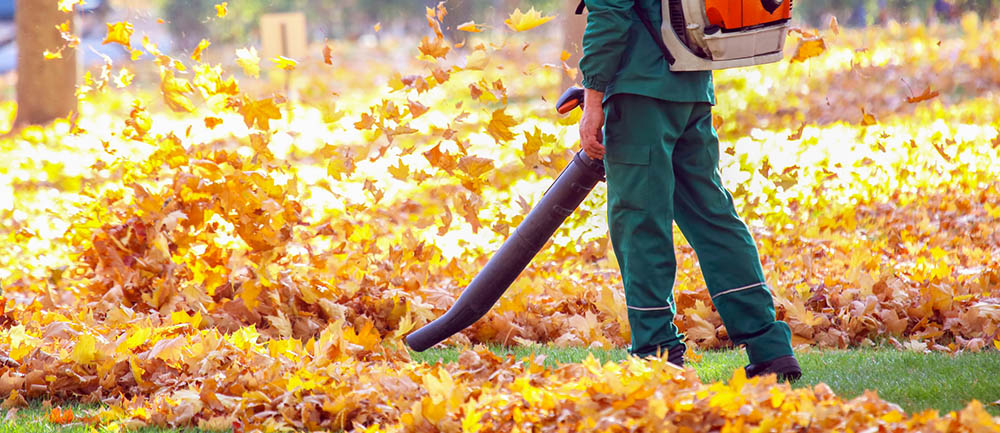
736 14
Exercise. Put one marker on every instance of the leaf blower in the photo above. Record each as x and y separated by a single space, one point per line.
559 201
705 35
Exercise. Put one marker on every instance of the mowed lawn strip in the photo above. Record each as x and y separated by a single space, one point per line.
915 381
35 419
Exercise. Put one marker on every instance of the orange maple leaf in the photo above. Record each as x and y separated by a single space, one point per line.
259 112
436 48
928 94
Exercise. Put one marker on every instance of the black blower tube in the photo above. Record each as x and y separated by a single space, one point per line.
563 197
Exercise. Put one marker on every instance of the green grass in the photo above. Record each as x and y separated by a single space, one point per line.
34 419
915 381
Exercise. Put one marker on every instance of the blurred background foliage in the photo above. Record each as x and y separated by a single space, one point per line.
351 18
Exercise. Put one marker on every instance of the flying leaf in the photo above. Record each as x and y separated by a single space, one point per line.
867 119
124 78
834 25
798 133
222 9
248 60
68 5
327 54
475 166
196 55
119 33
212 122
285 63
400 171
416 109
499 126
174 92
520 22
438 158
470 27
259 112
436 48
810 45
926 95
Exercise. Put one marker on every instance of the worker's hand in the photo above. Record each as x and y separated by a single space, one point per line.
591 136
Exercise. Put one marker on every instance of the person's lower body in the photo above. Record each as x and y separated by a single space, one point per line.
662 167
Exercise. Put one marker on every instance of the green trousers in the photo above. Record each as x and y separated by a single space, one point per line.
662 162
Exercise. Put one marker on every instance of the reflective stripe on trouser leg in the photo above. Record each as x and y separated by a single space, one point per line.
639 136
726 251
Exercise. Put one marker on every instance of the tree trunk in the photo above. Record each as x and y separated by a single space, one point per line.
573 27
46 89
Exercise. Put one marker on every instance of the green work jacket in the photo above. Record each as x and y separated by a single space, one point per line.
620 56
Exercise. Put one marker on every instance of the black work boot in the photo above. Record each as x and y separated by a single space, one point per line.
676 355
786 367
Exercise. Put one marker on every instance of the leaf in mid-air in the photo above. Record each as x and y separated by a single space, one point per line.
520 21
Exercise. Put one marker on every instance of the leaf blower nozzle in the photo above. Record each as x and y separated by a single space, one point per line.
563 197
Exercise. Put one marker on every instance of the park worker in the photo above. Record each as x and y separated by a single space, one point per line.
661 155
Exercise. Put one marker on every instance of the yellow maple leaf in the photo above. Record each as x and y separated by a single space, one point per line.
174 92
259 112
471 27
85 350
196 55
248 60
21 343
50 55
68 5
808 47
520 22
137 338
500 124
476 61
399 171
222 9
475 166
245 337
285 63
137 371
182 317
124 78
119 33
